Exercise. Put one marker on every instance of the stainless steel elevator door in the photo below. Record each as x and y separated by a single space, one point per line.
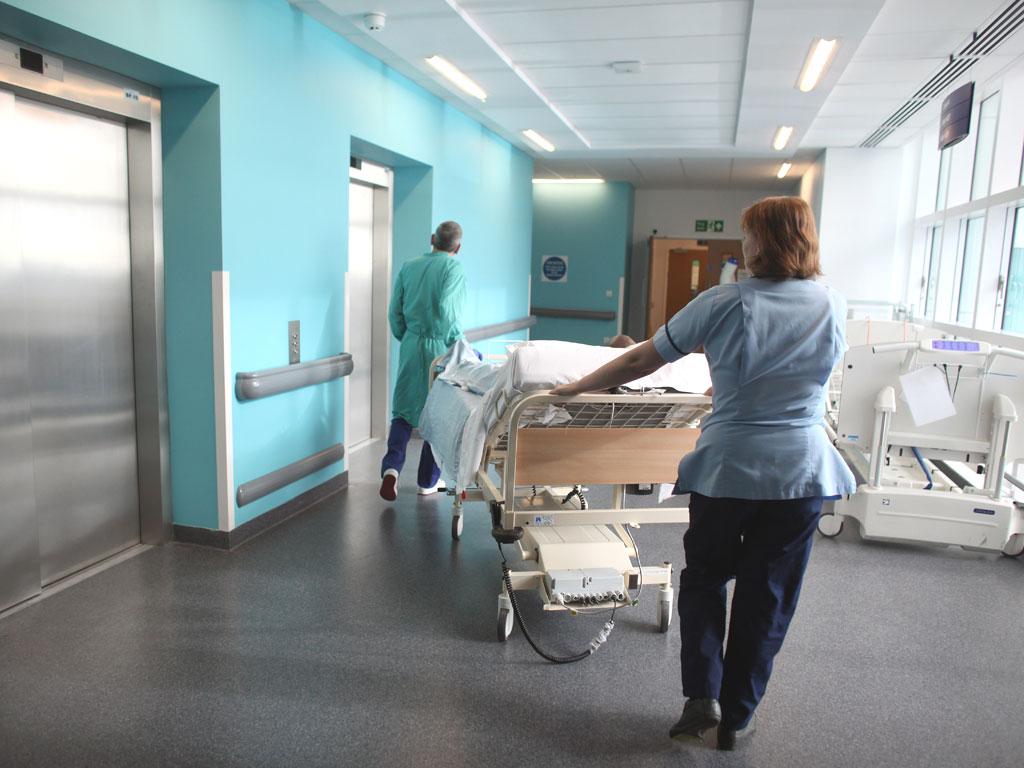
19 534
360 313
71 177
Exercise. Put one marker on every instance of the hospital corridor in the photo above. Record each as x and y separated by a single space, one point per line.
507 383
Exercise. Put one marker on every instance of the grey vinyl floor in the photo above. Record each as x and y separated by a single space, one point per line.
360 634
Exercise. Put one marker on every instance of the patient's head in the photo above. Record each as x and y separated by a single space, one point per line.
621 341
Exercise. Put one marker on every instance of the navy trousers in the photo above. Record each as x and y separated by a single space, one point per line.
398 440
764 545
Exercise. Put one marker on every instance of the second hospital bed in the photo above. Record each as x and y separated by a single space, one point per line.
502 438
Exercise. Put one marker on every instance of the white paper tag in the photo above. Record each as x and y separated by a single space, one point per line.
665 491
926 393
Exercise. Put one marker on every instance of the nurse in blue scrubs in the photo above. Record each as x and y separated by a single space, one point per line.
763 464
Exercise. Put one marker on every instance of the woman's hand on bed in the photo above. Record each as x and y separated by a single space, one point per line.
567 390
637 362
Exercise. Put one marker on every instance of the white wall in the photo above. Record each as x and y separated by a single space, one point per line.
811 184
673 212
861 199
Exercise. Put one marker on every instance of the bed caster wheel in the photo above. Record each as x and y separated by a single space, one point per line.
505 622
830 526
1015 546
664 615
457 527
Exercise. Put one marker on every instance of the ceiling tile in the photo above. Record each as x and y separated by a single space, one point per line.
652 50
616 22
653 75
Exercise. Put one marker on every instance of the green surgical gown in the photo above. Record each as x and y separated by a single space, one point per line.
425 311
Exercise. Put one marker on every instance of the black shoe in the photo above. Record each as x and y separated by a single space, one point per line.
727 737
699 715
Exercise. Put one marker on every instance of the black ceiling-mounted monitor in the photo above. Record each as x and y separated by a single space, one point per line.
956 116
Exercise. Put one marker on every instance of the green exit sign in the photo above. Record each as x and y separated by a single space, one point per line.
709 225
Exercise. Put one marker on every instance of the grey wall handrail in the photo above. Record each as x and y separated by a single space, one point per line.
575 314
499 329
279 478
253 385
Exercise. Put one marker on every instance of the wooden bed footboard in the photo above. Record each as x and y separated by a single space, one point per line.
601 456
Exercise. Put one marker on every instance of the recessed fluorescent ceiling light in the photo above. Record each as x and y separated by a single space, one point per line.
782 137
519 72
568 181
817 60
461 80
783 170
539 140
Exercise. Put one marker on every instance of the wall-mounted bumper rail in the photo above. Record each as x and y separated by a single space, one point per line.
273 381
279 478
573 314
499 329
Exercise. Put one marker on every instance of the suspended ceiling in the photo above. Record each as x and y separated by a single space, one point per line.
718 77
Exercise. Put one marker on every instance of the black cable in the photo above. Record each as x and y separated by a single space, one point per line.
507 577
956 385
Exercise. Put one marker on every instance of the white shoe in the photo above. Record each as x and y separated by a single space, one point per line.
431 491
389 485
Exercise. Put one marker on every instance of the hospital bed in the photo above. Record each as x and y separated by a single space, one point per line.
537 453
951 481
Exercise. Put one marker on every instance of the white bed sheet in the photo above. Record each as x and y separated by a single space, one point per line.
469 397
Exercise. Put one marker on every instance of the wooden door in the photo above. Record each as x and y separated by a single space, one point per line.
687 277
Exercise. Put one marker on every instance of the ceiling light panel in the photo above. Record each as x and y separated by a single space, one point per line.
783 170
538 141
457 77
820 56
782 137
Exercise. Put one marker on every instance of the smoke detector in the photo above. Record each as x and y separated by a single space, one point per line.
628 67
375 21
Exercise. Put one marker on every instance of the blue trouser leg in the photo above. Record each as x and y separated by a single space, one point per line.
770 570
429 473
398 440
711 544
765 546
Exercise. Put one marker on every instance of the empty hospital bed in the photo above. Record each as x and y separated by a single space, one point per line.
501 438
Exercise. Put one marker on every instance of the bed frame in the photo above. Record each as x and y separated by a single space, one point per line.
610 439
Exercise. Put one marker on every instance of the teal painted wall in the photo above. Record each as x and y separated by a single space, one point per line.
266 198
592 224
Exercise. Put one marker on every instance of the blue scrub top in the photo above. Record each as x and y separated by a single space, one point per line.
771 346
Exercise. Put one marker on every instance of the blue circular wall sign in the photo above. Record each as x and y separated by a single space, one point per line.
555 268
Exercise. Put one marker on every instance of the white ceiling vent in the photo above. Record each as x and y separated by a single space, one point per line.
981 44
628 67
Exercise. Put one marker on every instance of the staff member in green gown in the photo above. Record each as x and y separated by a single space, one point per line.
426 307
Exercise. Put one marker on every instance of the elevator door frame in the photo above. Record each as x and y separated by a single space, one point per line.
92 91
381 180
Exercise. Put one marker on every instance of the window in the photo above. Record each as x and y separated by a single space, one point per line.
1013 308
943 188
970 264
932 271
985 147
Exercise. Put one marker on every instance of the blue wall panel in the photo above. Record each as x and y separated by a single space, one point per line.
288 96
591 224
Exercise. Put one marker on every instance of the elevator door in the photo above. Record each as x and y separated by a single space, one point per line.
69 251
360 313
